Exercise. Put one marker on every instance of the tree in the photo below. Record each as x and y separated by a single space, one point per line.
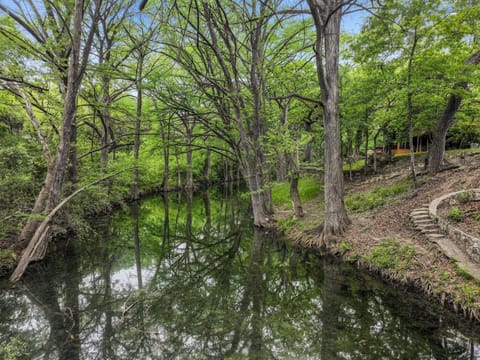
447 119
326 15
63 42
108 58
225 54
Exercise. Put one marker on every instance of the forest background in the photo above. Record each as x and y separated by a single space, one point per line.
102 97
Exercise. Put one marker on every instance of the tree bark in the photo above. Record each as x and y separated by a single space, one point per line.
410 107
189 160
136 147
365 166
327 24
207 165
436 149
295 196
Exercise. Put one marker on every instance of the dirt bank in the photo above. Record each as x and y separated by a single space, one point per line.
385 241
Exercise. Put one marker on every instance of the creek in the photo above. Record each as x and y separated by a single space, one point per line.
183 277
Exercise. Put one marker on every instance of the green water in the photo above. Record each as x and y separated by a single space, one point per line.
190 279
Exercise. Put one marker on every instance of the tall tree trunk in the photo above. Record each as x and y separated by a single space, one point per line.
307 152
165 134
327 25
365 168
136 146
436 150
410 106
295 196
73 160
358 143
207 167
375 137
410 138
281 166
189 160
105 117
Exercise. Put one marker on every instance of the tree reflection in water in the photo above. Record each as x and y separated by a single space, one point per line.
190 279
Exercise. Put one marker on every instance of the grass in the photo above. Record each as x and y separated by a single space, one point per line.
376 198
7 258
287 223
389 254
308 187
456 152
357 165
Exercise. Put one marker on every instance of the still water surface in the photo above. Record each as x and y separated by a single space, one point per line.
184 278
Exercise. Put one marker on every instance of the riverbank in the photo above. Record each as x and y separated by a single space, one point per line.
383 240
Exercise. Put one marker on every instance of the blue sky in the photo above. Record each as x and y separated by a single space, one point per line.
352 22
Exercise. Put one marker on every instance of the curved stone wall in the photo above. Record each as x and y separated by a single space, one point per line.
469 244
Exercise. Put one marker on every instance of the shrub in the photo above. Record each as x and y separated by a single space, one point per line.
455 214
466 196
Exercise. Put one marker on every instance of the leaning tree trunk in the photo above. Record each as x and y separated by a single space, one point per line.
327 25
436 150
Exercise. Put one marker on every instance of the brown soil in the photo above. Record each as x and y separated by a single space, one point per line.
429 270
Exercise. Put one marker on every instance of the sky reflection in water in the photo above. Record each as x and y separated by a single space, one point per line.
190 279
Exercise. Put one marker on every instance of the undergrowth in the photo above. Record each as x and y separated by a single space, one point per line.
308 187
359 202
389 254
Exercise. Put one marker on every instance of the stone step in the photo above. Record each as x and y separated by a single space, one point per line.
421 217
424 221
435 237
430 231
419 211
426 226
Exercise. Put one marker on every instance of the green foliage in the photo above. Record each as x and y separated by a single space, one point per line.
470 292
462 134
15 349
355 166
455 214
345 246
389 255
474 215
287 223
444 277
7 258
466 196
376 198
308 188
